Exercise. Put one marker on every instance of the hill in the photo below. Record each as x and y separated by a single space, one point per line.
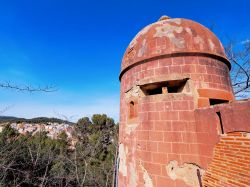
5 119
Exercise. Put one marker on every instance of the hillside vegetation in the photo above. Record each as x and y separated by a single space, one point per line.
37 160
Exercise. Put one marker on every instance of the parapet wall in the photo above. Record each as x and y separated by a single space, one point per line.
224 131
231 117
216 146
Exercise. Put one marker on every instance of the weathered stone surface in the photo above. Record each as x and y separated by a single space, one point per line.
172 72
187 172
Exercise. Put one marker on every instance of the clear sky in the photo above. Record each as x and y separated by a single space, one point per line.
77 45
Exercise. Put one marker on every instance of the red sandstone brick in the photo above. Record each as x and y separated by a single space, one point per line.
142 145
164 147
205 150
203 102
229 165
179 125
191 105
165 181
174 156
160 158
156 136
145 155
172 137
149 73
216 79
188 69
187 97
215 86
162 71
143 116
190 158
152 64
208 78
201 69
186 115
175 69
190 60
169 115
143 135
197 77
141 75
149 125
180 148
179 183
140 178
165 62
153 116
163 170
233 134
180 105
152 146
210 70
163 126
178 60
147 107
168 106
215 94
203 137
194 148
153 168
160 106
191 127
189 137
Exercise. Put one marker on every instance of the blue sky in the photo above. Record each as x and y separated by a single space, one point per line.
78 45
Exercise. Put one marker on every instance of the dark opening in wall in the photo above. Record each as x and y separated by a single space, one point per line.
221 125
173 86
217 101
176 86
132 110
154 91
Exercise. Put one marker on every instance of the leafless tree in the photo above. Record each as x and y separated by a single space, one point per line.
64 117
3 110
8 85
239 56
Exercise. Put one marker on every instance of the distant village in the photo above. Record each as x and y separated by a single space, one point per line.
53 130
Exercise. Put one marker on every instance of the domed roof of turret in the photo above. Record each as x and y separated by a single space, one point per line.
170 36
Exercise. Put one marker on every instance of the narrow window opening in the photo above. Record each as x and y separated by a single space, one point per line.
154 91
176 86
217 101
132 110
173 86
221 125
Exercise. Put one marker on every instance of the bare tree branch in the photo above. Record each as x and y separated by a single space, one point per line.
240 73
85 172
8 85
46 170
64 117
5 109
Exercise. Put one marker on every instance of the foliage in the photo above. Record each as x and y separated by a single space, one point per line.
37 160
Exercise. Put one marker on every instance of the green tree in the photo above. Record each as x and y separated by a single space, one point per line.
38 160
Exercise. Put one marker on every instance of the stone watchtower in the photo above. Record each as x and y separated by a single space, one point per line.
169 69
